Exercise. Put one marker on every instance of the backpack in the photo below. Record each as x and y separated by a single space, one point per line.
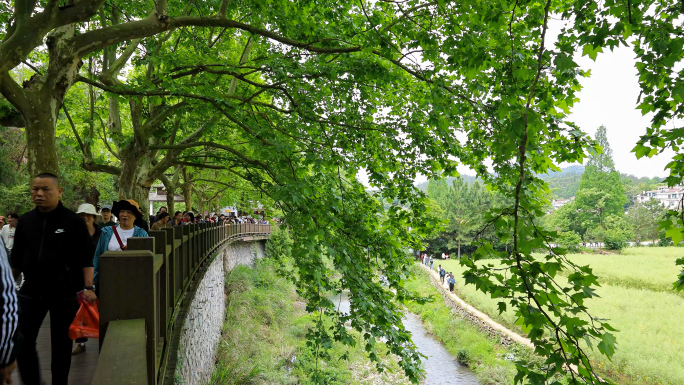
441 272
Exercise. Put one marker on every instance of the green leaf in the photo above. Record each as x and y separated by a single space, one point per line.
591 51
675 233
607 345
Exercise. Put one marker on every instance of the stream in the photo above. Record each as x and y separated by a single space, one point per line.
441 368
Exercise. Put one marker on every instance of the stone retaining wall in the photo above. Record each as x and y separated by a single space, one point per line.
486 325
243 253
201 331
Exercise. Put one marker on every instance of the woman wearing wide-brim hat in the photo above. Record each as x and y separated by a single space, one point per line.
115 238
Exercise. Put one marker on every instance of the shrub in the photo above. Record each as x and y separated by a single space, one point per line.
615 239
665 242
279 246
463 357
569 240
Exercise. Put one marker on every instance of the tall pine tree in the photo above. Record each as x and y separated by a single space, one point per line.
601 193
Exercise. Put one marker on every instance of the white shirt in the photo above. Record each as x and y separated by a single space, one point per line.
123 234
7 233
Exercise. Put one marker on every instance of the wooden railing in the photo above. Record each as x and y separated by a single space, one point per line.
141 293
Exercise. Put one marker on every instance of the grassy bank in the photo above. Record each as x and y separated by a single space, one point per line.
264 337
635 296
462 339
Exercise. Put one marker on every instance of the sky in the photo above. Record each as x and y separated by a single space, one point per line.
609 98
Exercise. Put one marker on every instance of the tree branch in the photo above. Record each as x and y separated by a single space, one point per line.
159 118
231 150
100 38
73 129
224 8
243 59
104 138
92 166
123 59
200 165
13 92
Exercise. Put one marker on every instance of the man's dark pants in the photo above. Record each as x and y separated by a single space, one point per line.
32 311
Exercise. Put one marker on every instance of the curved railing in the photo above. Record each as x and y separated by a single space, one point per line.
141 293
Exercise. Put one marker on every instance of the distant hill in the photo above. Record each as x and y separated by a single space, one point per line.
467 178
564 183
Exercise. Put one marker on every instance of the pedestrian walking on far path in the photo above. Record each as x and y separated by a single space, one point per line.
431 261
452 282
52 248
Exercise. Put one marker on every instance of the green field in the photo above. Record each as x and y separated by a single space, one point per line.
636 296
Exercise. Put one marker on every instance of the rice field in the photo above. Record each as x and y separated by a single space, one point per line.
636 296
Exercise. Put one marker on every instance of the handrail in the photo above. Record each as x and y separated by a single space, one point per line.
149 280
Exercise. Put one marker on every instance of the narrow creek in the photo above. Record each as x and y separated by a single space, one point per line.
441 368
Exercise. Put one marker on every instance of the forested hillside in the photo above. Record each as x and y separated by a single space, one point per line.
449 181
564 183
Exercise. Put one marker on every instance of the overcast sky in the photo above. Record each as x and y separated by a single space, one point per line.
608 98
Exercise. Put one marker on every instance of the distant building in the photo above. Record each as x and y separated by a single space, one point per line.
669 197
229 211
159 194
558 203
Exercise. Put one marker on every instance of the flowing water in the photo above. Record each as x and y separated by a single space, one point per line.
441 368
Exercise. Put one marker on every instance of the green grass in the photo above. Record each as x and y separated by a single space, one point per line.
264 338
651 268
636 297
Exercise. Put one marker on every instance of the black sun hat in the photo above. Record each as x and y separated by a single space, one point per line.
127 204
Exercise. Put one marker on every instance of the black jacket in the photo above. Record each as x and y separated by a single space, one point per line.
52 249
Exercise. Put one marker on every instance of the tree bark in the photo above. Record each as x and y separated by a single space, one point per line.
187 194
41 146
170 204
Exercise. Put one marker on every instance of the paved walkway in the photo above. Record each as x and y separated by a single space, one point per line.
82 365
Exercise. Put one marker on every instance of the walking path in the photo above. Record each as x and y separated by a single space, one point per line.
482 317
82 365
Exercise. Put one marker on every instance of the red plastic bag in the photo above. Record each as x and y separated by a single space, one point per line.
87 321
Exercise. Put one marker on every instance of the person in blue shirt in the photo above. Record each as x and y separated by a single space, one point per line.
115 238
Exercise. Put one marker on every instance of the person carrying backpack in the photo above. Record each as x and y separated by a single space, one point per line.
442 273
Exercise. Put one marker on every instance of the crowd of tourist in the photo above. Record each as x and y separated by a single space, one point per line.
57 253
163 219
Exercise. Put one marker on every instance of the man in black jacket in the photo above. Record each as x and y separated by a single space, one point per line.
52 248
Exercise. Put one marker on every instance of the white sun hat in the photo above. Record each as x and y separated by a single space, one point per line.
87 208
